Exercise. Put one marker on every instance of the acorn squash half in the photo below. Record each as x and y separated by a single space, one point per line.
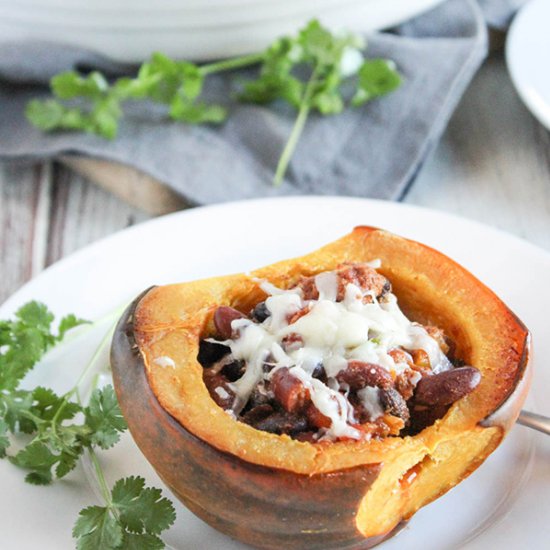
272 491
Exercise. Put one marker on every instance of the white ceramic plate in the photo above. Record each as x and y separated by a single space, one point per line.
514 483
200 33
527 56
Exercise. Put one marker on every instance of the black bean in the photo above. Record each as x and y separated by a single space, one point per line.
257 414
259 397
211 352
260 313
234 370
283 423
320 373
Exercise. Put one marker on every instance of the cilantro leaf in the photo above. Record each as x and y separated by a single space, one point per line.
104 417
34 314
47 405
69 322
142 508
131 520
97 528
71 84
36 457
25 339
15 411
377 77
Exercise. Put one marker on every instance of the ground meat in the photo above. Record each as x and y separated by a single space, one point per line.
405 383
440 337
358 375
394 404
361 275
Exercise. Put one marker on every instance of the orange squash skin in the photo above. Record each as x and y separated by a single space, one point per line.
273 492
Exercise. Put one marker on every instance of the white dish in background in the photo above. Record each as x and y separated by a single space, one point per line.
528 55
191 30
513 484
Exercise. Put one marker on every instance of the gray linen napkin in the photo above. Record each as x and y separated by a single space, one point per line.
373 151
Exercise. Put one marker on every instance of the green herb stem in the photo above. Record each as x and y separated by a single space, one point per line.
102 482
230 64
297 129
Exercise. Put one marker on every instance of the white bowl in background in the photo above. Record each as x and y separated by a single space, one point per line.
527 55
141 27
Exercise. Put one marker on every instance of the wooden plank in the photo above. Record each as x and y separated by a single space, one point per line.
134 187
82 213
24 211
493 163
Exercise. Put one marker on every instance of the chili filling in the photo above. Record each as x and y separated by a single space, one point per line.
332 358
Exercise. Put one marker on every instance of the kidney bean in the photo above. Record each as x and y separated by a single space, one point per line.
422 417
210 352
260 313
316 418
223 317
223 397
289 391
446 387
358 374
394 404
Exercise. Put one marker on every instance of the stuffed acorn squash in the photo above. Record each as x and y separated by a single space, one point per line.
321 401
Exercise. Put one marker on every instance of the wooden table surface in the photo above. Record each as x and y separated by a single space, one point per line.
492 165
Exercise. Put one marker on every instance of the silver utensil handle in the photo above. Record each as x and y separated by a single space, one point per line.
535 421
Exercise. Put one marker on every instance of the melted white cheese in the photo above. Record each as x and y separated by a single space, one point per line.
164 361
332 333
370 399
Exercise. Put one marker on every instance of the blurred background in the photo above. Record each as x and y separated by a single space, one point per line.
484 154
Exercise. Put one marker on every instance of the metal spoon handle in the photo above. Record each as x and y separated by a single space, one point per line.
535 421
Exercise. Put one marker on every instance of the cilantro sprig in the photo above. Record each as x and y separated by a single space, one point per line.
307 71
59 429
